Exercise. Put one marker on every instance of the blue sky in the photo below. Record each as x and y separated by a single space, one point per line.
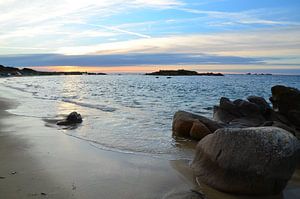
263 34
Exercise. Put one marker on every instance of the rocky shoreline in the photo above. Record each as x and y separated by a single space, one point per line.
16 72
248 147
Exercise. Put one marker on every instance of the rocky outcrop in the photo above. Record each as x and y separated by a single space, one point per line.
253 112
240 113
262 104
193 126
249 147
13 71
257 160
286 101
72 119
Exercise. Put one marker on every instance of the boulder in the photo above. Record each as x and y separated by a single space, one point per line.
247 108
251 161
229 106
182 126
294 117
240 113
199 130
222 115
72 119
262 104
184 121
285 99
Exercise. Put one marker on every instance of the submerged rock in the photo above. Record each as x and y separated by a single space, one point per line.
72 118
257 160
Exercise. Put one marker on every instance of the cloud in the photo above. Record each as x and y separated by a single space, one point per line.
116 29
122 59
271 42
101 29
248 17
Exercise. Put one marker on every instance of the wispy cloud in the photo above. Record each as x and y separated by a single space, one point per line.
270 42
116 29
257 16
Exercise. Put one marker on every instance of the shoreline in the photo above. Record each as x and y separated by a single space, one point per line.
41 162
37 161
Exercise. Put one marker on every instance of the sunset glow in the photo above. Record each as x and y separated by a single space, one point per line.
150 68
225 35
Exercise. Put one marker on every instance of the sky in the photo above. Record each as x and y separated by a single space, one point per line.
143 35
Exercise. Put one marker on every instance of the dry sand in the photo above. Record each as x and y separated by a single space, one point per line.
41 162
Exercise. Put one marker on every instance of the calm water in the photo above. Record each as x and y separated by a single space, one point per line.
132 113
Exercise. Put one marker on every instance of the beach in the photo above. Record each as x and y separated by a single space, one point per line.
38 161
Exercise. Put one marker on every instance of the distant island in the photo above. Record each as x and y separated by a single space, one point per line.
182 72
15 72
258 74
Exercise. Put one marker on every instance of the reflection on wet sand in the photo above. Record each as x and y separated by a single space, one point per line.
292 191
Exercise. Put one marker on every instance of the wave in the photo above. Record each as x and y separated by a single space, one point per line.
94 106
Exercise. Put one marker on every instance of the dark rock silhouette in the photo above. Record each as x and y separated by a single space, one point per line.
182 73
72 119
12 71
286 101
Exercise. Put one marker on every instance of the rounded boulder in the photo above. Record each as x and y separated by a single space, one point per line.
251 161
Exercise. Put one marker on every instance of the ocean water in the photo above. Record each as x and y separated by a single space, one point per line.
132 113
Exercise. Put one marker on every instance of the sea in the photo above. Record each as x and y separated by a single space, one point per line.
132 113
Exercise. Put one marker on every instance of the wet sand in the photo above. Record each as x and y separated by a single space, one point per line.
40 162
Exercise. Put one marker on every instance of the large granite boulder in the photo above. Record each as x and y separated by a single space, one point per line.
193 126
252 161
72 119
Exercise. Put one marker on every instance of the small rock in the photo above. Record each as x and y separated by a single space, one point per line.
72 118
